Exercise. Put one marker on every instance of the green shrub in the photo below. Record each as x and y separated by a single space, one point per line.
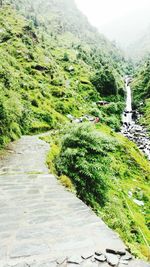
11 111
105 82
66 57
83 157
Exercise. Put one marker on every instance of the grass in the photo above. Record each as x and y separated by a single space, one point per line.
127 171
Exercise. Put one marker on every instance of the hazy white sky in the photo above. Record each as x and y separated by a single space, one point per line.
101 12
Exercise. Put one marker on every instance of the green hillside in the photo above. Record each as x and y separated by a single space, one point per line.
109 173
56 66
47 69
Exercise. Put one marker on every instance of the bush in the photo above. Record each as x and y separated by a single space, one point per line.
11 111
105 82
83 157
66 57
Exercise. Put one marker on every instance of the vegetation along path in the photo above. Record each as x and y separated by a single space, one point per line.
42 224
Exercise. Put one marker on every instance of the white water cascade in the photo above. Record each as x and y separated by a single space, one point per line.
127 115
130 128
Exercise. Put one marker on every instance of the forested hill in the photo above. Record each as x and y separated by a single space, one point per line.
53 63
59 17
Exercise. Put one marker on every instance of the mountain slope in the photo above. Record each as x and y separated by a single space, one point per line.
127 29
55 66
47 68
139 49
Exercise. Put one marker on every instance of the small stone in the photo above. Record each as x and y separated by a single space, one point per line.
101 258
86 257
61 260
112 251
74 260
121 253
127 258
112 259
138 202
98 253
116 252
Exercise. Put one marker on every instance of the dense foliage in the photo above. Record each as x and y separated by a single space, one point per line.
83 157
108 173
49 56
54 63
105 82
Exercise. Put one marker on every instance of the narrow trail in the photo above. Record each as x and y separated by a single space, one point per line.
41 223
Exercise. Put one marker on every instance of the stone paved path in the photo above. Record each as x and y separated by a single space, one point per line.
40 222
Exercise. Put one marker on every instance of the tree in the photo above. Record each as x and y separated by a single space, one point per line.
105 82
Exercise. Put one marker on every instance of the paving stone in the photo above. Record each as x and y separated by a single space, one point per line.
39 218
3 251
27 249
138 263
89 263
44 264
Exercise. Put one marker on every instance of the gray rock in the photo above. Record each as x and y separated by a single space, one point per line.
98 253
101 258
127 257
86 256
116 252
61 260
112 251
112 259
121 252
138 202
74 260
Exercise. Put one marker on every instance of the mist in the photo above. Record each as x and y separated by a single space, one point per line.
122 21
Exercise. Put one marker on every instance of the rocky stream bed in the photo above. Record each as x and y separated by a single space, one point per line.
131 129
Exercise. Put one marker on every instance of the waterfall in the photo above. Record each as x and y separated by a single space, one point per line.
131 129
